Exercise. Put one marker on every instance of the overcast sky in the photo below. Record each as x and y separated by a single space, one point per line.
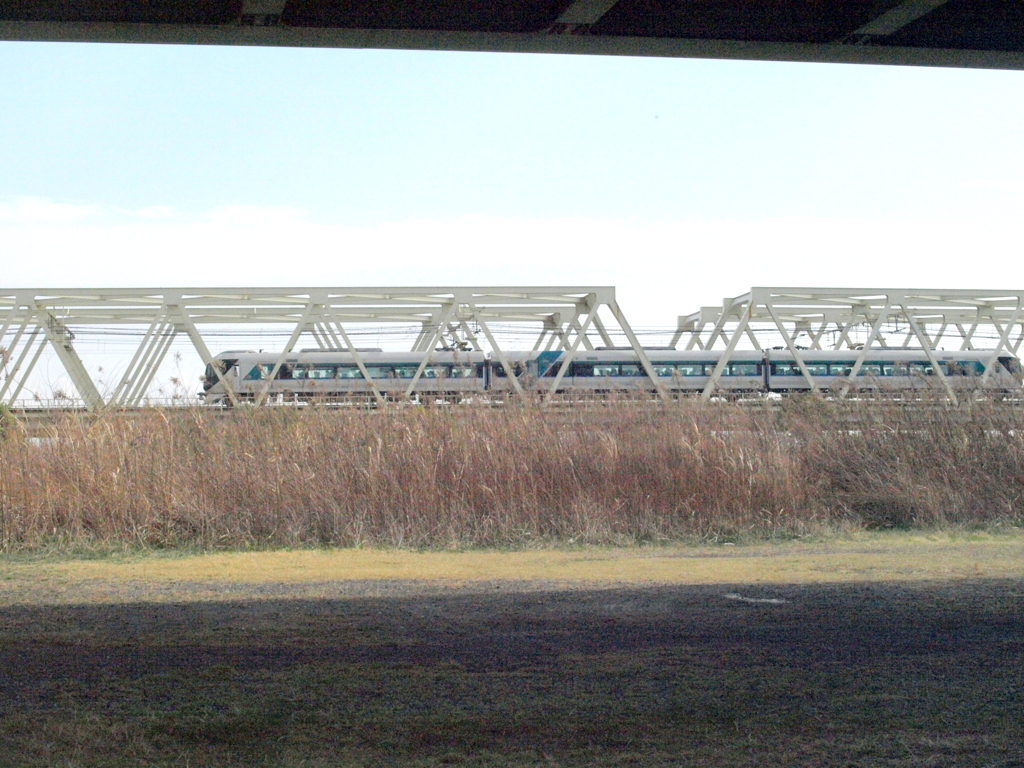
678 181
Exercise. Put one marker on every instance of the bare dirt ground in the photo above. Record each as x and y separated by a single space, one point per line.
195 661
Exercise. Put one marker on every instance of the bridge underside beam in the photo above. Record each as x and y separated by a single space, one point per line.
891 32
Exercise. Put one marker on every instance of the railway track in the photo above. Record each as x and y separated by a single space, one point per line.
849 411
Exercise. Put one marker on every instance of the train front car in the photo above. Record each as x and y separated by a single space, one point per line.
221 373
890 369
335 376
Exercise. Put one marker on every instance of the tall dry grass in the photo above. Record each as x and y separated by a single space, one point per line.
506 477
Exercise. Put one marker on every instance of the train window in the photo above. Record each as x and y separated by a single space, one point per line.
553 370
692 369
380 371
920 369
461 372
349 372
298 371
973 367
285 371
582 369
432 372
518 369
631 369
405 371
962 368
817 369
840 369
744 369
870 369
321 372
664 370
786 369
254 375
606 370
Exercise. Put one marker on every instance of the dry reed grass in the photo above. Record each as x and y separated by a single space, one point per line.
474 476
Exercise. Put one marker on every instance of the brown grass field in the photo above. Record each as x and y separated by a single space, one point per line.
879 649
622 473
809 583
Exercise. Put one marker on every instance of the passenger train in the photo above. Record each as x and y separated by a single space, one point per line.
324 375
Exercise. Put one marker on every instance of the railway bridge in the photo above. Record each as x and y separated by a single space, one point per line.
56 324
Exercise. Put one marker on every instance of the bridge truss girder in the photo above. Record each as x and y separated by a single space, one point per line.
564 318
927 316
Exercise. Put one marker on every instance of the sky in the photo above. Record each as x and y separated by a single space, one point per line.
678 181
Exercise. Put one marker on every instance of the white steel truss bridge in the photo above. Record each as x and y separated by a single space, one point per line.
802 320
34 320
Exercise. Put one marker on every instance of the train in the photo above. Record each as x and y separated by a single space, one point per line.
312 375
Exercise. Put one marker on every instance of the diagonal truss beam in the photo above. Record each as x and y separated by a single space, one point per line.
897 18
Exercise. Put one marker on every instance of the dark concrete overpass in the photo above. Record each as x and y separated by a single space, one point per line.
948 33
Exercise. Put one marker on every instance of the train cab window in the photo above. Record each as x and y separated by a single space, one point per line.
631 369
606 370
1011 364
693 369
255 374
744 369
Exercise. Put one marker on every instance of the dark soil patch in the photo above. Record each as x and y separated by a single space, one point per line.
878 674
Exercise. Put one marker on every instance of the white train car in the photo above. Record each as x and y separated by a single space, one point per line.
603 371
888 369
316 375
325 375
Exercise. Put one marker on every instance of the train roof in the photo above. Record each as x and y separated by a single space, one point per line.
375 357
881 353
